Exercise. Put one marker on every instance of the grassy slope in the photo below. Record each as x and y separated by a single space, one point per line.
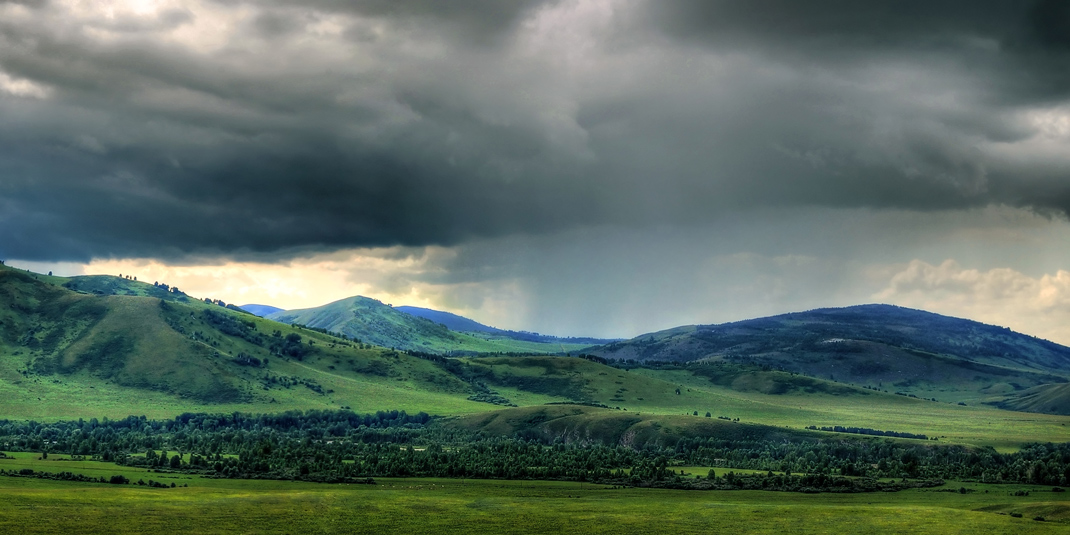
891 348
462 324
374 322
583 424
752 396
1054 399
67 354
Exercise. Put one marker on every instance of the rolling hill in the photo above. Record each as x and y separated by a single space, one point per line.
595 425
109 346
881 346
371 321
117 346
457 323
1053 399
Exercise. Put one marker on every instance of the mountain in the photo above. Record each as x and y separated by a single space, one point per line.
882 346
462 324
104 345
452 322
101 346
371 321
260 310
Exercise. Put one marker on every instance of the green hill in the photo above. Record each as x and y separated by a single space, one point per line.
880 346
593 425
457 323
372 321
1054 399
92 347
131 347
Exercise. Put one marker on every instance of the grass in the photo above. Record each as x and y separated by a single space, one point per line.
818 402
950 423
520 507
380 324
1054 398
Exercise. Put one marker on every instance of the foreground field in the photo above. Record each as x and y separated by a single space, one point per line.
480 506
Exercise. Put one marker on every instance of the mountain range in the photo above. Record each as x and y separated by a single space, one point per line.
880 346
462 324
372 321
106 345
260 310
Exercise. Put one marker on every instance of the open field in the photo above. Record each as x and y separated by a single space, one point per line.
804 402
951 423
487 506
535 381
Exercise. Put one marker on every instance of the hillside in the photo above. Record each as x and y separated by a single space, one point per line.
593 425
158 352
462 324
373 322
1053 399
882 346
67 346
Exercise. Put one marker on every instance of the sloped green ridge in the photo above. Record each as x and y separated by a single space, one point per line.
373 322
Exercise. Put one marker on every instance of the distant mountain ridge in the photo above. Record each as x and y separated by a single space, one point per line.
458 323
903 349
260 310
372 321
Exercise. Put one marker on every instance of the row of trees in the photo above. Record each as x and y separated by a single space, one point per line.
341 445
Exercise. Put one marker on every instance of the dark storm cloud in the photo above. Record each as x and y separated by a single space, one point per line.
256 129
479 20
1018 45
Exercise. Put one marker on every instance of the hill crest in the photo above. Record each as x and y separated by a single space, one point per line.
900 349
459 323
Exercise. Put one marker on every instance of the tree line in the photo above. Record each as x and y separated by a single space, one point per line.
345 446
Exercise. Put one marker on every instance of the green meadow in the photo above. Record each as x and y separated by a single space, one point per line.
534 381
772 398
489 506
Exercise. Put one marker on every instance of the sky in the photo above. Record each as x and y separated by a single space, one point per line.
595 168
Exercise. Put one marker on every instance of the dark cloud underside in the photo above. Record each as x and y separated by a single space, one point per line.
237 129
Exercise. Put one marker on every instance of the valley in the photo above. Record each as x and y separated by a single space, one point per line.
105 348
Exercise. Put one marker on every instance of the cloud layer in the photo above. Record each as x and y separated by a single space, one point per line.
1002 296
596 167
181 130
